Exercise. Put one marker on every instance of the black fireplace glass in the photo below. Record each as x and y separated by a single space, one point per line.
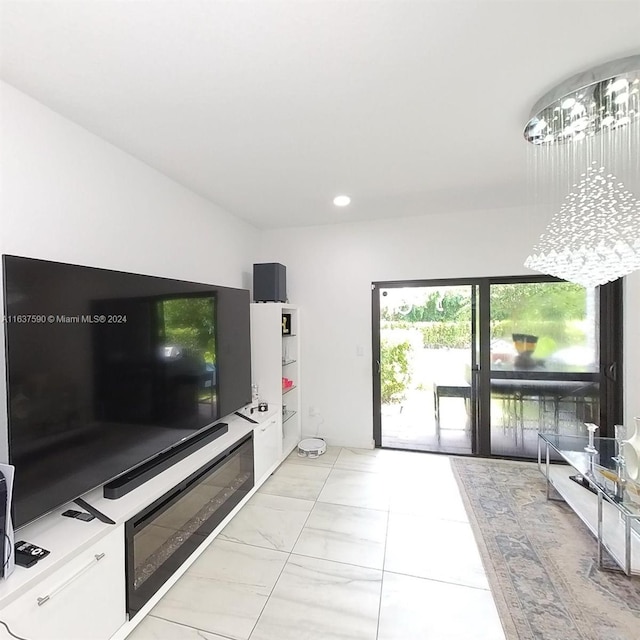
167 532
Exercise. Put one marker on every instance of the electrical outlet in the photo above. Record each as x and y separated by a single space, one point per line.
314 412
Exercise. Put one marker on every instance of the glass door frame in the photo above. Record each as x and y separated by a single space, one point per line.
472 283
609 375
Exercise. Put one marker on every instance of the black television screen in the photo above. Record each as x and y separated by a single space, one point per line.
106 369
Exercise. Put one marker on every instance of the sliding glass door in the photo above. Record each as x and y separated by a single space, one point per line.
479 366
425 365
544 365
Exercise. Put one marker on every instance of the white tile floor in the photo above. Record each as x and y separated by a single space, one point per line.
356 545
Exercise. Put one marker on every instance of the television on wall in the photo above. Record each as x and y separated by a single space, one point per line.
107 370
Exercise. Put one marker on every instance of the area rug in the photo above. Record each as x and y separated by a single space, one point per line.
541 559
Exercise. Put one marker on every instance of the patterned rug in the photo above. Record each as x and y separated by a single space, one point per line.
541 559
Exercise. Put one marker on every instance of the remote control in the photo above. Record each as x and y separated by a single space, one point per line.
28 554
79 515
247 418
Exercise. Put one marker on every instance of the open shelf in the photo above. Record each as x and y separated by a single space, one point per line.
288 415
585 505
275 358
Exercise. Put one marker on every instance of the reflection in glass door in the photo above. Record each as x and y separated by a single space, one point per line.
544 362
426 367
480 366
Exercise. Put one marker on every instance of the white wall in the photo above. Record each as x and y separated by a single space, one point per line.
329 274
69 196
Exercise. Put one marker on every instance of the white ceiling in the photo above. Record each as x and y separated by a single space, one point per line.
271 108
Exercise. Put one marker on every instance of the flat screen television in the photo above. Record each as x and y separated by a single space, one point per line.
106 370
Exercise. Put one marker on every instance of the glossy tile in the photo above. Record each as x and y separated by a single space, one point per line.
344 534
345 516
356 489
428 547
225 589
269 521
361 459
317 600
425 497
296 481
392 461
423 467
152 628
418 608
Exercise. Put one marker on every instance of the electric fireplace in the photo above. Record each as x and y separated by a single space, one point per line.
160 538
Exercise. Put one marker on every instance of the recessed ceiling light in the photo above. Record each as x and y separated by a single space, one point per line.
341 201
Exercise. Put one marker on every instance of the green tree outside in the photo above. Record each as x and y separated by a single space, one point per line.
554 311
395 374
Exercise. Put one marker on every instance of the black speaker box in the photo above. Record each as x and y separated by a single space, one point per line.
269 282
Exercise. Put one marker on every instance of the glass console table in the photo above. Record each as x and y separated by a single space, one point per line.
615 521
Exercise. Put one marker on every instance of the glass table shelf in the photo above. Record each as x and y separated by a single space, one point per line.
613 519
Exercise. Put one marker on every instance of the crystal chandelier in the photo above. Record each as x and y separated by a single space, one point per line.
585 159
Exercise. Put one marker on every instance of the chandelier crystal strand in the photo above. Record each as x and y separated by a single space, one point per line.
588 185
595 237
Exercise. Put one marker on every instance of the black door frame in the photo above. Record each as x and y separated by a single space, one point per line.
610 348
474 414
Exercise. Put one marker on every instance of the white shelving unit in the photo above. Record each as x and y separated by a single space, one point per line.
275 354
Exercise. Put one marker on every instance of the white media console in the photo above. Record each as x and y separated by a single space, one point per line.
78 591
